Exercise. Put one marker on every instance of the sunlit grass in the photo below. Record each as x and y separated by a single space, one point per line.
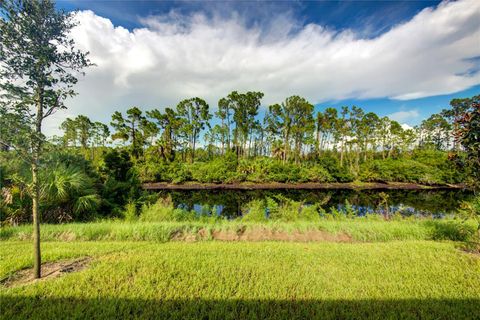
237 280
359 229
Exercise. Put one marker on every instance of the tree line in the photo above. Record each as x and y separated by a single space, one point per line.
291 130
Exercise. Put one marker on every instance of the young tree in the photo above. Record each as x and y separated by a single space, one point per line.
70 135
467 133
129 128
294 121
368 127
326 122
245 108
436 131
38 69
101 133
84 128
195 114
343 131
224 113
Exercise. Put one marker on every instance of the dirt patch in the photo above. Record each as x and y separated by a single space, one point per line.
260 234
183 236
67 236
203 233
50 270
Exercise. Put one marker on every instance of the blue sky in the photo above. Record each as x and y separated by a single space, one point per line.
372 16
406 59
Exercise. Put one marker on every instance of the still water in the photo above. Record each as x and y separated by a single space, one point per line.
231 203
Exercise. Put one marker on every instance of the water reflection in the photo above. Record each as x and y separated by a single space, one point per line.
229 203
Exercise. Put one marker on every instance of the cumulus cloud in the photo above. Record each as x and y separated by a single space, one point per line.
176 56
405 115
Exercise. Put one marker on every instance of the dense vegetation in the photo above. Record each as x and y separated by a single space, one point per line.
84 177
289 143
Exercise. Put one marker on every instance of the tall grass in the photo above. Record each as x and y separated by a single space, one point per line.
358 229
163 222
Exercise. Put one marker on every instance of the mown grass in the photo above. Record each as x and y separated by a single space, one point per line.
359 229
245 280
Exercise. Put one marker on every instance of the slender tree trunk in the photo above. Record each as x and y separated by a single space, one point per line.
317 145
193 149
37 144
341 153
37 260
286 146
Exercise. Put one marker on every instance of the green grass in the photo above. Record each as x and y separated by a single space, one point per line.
360 229
243 280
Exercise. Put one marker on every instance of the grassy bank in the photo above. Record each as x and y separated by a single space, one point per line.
357 229
218 280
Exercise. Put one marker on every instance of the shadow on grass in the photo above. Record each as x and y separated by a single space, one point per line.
20 307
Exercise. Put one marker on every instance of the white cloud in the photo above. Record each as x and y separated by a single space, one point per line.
175 57
405 115
406 126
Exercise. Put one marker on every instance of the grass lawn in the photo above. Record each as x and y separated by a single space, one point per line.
410 279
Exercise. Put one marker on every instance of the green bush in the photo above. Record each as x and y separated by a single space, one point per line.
254 211
163 210
318 174
222 169
400 170
130 212
287 210
447 169
272 170
337 172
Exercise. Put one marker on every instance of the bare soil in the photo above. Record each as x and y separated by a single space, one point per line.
308 186
50 270
262 234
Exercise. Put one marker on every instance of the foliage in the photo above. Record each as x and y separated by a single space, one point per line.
39 65
255 211
194 114
163 210
467 131
222 169
68 189
471 210
404 170
120 181
332 164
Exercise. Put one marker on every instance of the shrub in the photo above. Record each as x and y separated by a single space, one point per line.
400 170
287 210
163 210
315 174
130 212
337 172
255 211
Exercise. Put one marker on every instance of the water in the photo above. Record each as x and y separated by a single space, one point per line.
231 203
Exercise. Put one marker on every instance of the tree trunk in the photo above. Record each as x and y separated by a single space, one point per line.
37 262
286 146
318 142
193 148
37 144
341 153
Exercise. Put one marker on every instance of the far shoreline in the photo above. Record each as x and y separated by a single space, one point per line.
299 186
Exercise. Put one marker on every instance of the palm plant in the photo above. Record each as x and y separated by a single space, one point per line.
67 192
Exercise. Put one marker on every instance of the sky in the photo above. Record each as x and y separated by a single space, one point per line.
403 59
